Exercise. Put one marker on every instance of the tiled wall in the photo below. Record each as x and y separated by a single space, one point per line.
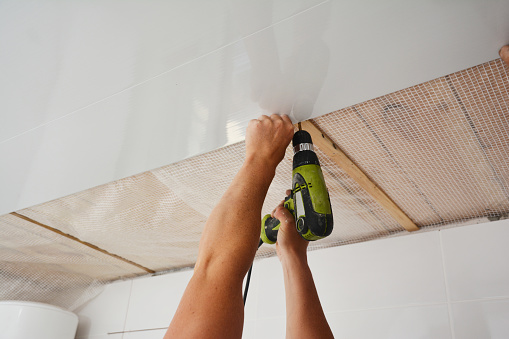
445 284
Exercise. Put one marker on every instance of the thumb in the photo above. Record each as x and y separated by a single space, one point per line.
283 215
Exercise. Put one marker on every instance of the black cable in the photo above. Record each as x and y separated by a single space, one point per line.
249 276
247 283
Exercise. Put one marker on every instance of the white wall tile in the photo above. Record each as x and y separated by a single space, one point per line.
390 272
271 289
423 322
149 334
154 300
106 312
249 331
481 319
270 328
392 288
475 260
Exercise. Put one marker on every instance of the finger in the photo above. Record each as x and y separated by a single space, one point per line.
276 117
273 211
504 54
283 215
288 192
286 119
263 117
276 120
254 121
281 204
273 214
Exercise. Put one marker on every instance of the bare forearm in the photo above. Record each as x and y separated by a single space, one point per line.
212 305
304 314
236 215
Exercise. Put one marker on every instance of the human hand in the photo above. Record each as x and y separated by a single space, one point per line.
267 138
289 244
504 54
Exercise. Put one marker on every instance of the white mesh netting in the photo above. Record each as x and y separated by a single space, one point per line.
40 265
439 150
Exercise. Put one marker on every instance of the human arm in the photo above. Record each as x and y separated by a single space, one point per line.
304 313
212 305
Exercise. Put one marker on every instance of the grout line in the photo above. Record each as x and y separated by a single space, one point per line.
335 312
281 317
447 290
377 308
479 299
165 72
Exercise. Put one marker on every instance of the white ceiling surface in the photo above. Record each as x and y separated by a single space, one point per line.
94 91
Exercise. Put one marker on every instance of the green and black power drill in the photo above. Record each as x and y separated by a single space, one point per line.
309 200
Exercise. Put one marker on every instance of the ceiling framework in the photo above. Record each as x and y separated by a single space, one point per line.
322 141
437 151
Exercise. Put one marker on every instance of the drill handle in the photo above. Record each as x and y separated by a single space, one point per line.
270 225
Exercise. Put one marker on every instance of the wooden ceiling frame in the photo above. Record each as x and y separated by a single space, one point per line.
73 238
326 145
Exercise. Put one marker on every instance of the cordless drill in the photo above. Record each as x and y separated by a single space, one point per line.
309 200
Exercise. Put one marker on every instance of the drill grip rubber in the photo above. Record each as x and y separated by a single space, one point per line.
270 225
270 228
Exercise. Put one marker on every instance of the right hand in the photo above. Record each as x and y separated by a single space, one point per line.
289 244
268 137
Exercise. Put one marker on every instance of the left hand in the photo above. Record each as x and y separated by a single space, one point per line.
289 242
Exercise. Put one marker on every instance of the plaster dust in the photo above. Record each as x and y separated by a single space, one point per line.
438 149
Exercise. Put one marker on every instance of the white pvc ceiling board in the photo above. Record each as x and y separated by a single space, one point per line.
61 63
132 92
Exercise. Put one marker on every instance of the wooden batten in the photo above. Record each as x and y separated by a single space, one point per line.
92 246
349 167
